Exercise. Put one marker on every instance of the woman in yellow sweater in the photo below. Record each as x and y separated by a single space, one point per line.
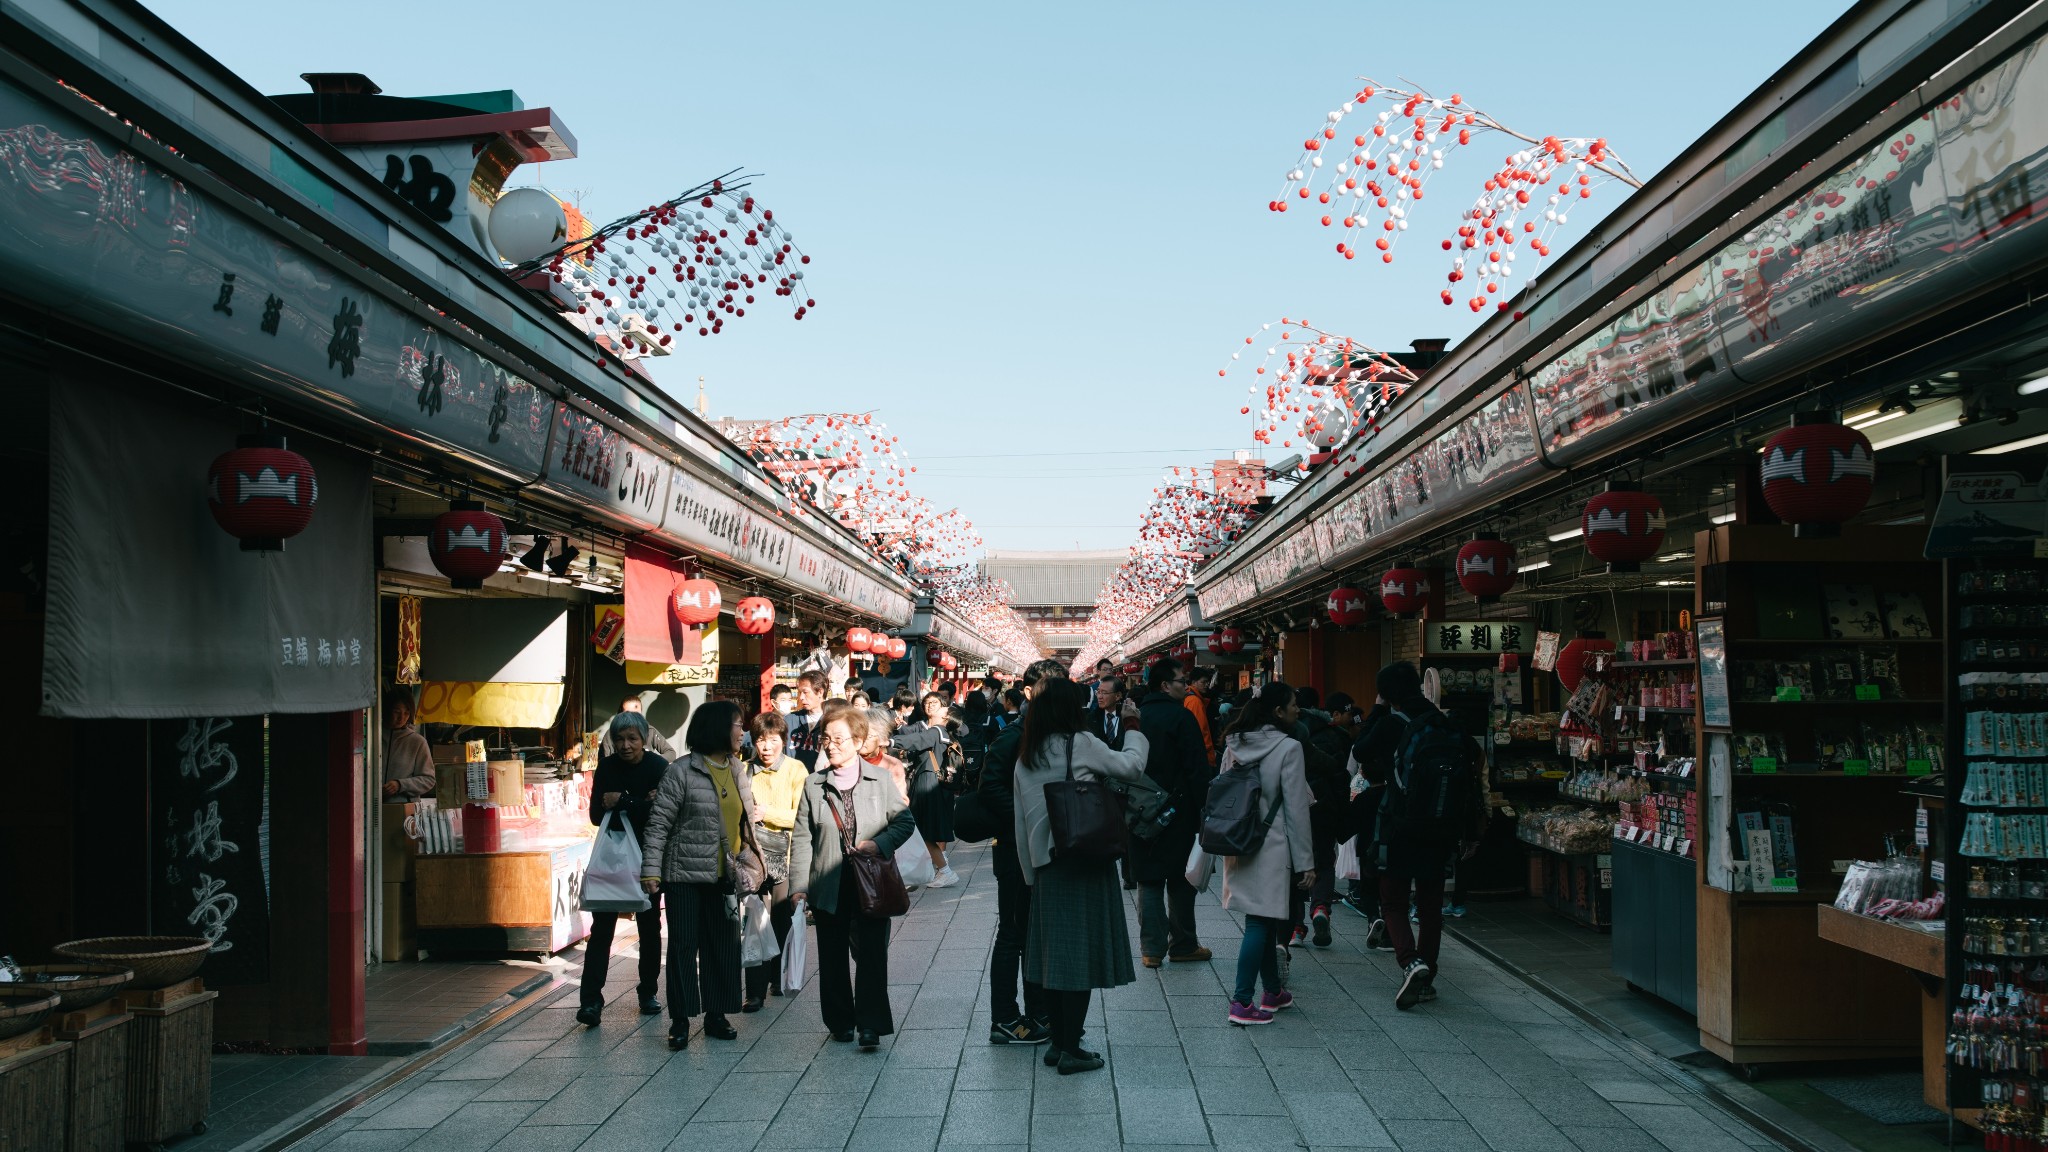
778 786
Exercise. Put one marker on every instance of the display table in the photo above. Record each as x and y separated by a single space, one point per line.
1922 953
520 901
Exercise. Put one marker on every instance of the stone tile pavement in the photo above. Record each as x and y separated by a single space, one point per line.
1491 1064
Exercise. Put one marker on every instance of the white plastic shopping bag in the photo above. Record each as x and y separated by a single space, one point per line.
1347 859
757 934
1200 865
914 861
793 954
611 881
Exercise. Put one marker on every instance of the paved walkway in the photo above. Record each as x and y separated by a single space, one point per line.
1490 1064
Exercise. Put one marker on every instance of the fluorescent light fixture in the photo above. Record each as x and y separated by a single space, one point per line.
1674 557
1873 416
1928 420
2012 445
1722 518
1533 565
2037 384
1672 583
1571 530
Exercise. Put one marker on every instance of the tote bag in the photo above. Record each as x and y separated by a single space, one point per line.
914 862
611 881
1086 816
757 933
876 881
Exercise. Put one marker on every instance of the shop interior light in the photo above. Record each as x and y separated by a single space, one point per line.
1674 557
536 558
1870 416
2037 384
560 562
1926 420
1533 565
2012 446
1559 533
1672 583
1722 518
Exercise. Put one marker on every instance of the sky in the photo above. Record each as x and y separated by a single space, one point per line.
1037 231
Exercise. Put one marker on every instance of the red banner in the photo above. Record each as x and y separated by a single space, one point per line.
652 632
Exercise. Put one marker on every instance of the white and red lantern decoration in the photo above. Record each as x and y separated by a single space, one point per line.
695 602
859 640
1348 607
1623 526
1817 474
467 544
1404 589
897 648
1577 659
1229 641
261 492
948 662
754 616
1486 567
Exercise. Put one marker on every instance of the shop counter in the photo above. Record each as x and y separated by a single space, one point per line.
512 901
1924 954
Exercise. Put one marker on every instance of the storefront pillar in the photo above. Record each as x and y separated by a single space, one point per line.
346 1030
769 649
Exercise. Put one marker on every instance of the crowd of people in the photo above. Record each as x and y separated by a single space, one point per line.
799 803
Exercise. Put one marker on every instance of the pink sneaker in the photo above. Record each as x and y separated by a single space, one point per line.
1247 1014
1274 1001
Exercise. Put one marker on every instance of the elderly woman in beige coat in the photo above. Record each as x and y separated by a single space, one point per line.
1260 883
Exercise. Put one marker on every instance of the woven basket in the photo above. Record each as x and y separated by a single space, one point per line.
158 961
23 1009
96 982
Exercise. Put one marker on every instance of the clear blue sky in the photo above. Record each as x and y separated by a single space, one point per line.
1037 230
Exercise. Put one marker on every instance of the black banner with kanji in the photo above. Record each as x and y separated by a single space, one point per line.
211 856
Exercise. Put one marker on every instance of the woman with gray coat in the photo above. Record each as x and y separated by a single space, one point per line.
847 800
1261 883
700 854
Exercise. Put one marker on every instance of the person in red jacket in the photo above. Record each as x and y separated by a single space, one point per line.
1197 702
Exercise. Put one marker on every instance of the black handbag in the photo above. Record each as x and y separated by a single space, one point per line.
876 880
1087 817
972 821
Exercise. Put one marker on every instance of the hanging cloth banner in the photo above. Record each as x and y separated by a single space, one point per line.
212 879
490 705
653 636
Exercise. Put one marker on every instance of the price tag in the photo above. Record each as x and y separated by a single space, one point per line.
1938 871
2041 547
1685 770
1763 765
1920 827
1642 713
1684 848
1617 711
1866 692
1919 767
1788 695
1784 884
1855 767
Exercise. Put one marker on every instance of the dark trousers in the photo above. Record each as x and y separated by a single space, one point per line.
1166 917
1069 1014
853 966
781 910
703 953
1325 891
1013 920
597 953
1427 880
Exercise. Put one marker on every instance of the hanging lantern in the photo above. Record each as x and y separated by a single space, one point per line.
1486 567
467 544
261 493
898 648
1575 659
947 662
859 640
1817 474
1623 525
694 602
1404 589
1131 669
754 616
1230 641
1347 607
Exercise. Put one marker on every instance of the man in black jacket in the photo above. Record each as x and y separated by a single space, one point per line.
1179 763
1008 1025
1372 760
1327 748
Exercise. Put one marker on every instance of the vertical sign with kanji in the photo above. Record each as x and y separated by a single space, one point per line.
210 856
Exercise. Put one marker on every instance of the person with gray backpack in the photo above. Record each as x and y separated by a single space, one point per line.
1257 822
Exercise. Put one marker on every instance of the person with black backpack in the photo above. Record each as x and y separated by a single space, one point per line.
1328 750
1426 820
1257 822
1179 763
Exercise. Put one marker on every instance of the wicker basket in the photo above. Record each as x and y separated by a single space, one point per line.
158 961
23 1008
95 982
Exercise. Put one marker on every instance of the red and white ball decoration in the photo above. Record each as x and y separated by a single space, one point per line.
467 544
1486 567
1817 474
1404 590
261 492
695 602
859 640
1366 181
1348 607
754 616
1623 526
1316 386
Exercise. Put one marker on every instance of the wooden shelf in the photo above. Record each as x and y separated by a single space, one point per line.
1920 951
1829 641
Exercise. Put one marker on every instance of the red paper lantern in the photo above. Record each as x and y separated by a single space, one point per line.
694 602
1623 525
1230 641
754 616
467 544
859 640
896 649
1817 474
261 493
1131 669
1404 589
1215 643
947 662
1572 658
1347 606
1486 567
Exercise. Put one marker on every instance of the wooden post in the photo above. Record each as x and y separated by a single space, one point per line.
769 646
346 1031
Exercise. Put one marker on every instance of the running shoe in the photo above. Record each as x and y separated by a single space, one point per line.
1414 915
1413 981
1376 937
1428 994
1319 920
945 879
1300 936
1275 1001
1454 910
1246 1014
1192 955
1022 1030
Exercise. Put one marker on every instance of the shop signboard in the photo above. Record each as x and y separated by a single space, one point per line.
1987 514
816 569
1226 593
699 667
569 923
1715 714
1477 637
1285 560
711 520
210 873
593 463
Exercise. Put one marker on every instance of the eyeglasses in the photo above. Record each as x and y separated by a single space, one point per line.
835 741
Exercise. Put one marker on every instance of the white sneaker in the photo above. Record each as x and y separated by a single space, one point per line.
945 879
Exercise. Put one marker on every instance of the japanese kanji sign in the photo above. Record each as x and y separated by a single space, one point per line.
1477 637
210 848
